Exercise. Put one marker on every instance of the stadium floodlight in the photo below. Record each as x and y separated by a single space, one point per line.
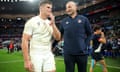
1 0
12 1
27 0
8 0
16 0
19 18
31 0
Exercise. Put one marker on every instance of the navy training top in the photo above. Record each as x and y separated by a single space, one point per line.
77 34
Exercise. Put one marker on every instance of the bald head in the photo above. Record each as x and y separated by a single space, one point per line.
71 8
71 3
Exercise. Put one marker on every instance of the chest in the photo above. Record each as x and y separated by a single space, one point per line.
74 25
41 28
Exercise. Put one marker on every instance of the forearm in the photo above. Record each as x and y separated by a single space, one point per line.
56 32
25 50
102 38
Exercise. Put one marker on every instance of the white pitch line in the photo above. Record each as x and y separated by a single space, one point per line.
107 66
97 64
11 61
57 59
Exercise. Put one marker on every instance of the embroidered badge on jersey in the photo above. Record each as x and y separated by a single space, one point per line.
38 23
79 21
67 22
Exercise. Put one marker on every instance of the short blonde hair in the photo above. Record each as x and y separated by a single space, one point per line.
45 2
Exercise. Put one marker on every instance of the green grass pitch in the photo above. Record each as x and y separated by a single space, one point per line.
14 63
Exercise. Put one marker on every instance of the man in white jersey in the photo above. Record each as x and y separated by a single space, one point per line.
36 40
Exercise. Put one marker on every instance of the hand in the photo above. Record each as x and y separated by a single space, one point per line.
102 38
52 19
102 34
28 66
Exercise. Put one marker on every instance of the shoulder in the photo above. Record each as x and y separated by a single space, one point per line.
82 17
31 20
64 20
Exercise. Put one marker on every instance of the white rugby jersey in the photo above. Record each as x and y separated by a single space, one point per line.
41 33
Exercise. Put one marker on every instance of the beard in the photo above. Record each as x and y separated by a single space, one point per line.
70 13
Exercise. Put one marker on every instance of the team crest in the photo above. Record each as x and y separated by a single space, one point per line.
67 22
79 21
38 23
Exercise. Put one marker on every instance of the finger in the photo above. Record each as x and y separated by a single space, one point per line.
31 67
31 70
26 68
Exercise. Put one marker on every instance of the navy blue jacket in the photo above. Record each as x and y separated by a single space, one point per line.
77 34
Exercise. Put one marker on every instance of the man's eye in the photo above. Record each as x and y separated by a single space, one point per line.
48 7
69 6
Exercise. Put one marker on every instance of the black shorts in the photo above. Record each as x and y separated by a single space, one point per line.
97 56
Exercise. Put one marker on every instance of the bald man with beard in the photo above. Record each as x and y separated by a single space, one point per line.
76 32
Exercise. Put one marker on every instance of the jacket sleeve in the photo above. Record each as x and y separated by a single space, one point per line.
61 29
89 32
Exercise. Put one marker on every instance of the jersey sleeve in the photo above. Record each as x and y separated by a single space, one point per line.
28 28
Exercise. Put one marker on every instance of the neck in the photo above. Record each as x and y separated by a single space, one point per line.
74 15
43 16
